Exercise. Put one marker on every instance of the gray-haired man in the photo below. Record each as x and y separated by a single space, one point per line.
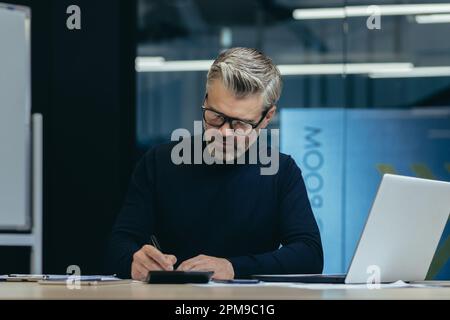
227 218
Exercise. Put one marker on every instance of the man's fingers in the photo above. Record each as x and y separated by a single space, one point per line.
139 272
158 256
188 264
147 262
191 266
185 265
171 258
201 267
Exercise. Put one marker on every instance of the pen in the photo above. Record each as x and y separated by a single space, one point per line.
155 242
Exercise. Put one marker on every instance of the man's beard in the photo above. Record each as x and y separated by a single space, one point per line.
226 149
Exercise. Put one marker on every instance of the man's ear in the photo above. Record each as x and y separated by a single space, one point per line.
269 116
271 112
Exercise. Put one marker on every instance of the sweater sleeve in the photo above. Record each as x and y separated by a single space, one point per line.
135 221
301 250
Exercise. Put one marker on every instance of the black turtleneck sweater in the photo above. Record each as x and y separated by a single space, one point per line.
229 211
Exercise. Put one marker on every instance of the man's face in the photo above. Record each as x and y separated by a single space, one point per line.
249 109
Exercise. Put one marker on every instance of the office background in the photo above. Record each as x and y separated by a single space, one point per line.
102 108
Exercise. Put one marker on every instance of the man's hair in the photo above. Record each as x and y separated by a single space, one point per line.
245 72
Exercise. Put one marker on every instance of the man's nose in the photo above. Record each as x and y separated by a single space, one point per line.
225 129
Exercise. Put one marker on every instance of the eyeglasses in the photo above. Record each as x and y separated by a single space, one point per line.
217 120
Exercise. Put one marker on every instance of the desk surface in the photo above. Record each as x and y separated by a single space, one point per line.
189 292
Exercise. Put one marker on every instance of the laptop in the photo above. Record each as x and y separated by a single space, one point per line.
400 237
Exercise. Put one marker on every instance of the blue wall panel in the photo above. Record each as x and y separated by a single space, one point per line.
343 152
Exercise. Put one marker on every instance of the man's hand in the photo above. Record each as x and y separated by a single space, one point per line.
149 258
223 269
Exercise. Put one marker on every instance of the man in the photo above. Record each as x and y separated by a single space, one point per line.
227 218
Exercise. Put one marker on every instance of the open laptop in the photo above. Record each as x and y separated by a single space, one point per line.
400 237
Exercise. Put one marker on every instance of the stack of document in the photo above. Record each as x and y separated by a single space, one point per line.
22 277
63 279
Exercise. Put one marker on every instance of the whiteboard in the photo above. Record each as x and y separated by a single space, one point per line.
15 111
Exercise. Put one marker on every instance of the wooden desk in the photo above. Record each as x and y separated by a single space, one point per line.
189 292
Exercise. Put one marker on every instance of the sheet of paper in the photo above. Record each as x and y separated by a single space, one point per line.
260 284
316 286
323 286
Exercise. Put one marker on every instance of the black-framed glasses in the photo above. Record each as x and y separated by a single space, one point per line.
241 127
217 119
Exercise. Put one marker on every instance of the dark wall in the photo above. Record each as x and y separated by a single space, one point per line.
83 82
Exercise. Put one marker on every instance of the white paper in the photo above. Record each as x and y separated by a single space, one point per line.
316 286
